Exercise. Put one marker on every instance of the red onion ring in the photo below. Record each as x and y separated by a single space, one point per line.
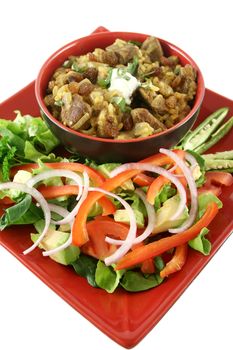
63 212
74 212
192 188
127 244
57 173
150 225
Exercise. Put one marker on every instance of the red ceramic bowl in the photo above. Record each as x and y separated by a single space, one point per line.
108 150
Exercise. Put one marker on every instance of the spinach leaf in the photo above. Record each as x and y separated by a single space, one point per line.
134 281
159 263
13 213
24 212
31 216
85 266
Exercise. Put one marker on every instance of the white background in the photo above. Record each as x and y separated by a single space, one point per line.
31 315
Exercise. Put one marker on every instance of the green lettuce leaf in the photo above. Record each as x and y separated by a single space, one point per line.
23 140
13 139
203 200
201 162
201 243
121 215
30 153
106 277
36 130
165 193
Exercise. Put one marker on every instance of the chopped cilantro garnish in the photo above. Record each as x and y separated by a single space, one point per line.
132 66
120 102
77 68
104 83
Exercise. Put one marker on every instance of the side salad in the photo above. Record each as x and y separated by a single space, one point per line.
130 225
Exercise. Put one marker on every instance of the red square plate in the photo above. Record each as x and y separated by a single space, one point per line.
124 317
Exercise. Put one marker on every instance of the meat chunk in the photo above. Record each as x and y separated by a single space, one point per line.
143 115
123 50
72 76
91 74
189 86
107 124
85 87
152 48
107 57
70 115
127 122
110 58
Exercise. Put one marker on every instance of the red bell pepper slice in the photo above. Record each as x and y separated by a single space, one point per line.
50 192
155 188
95 176
6 201
218 178
143 180
79 231
158 247
210 189
177 262
160 181
148 266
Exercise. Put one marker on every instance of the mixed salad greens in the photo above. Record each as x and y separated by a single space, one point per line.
129 225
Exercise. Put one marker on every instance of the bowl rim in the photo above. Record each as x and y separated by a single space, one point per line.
197 103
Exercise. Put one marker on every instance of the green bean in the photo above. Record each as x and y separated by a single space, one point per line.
219 155
199 135
218 135
218 164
